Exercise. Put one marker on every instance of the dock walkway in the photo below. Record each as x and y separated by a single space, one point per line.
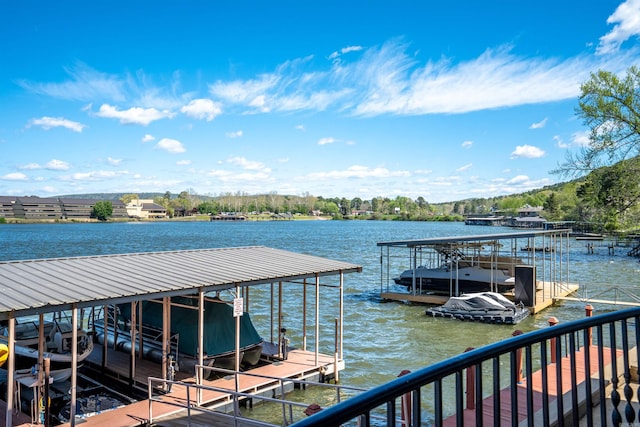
537 389
300 364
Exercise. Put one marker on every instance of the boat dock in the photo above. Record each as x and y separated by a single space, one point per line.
171 281
540 277
263 380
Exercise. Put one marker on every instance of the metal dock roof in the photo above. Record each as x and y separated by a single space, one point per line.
471 238
46 285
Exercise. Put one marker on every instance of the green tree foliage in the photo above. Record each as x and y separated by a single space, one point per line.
127 198
610 107
612 192
102 210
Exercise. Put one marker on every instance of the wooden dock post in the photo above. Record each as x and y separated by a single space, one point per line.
471 385
518 356
552 322
405 406
589 312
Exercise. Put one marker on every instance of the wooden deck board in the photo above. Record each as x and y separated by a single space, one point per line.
537 387
298 365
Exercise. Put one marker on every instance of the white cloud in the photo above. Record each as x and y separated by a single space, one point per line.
387 79
337 54
58 165
202 109
95 175
627 20
325 141
580 139
357 171
171 145
15 176
114 162
464 168
134 115
467 144
247 164
518 179
148 138
236 134
31 166
539 125
85 84
47 123
183 162
300 127
527 152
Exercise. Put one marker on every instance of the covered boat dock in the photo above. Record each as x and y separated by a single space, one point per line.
77 285
540 258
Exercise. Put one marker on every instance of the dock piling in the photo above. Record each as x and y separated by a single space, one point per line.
552 322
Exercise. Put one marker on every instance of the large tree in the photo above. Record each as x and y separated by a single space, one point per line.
609 106
102 210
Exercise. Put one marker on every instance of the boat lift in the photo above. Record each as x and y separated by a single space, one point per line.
546 270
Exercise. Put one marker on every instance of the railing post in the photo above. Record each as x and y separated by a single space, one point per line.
471 384
405 406
518 357
589 312
552 322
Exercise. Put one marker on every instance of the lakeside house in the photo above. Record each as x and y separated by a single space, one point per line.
528 217
54 208
146 209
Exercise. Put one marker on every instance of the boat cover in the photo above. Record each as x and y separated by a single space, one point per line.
219 326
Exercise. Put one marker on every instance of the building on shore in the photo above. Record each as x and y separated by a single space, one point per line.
54 208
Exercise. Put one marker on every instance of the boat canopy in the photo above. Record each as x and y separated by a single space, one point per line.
219 325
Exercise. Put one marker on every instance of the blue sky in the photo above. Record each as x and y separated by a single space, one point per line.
444 100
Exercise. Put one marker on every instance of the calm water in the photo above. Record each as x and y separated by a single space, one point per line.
381 338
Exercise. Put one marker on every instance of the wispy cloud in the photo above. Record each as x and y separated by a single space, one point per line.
539 125
527 152
84 84
626 18
114 162
236 134
357 171
465 167
47 123
467 144
325 141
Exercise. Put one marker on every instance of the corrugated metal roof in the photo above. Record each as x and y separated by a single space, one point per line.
472 238
44 285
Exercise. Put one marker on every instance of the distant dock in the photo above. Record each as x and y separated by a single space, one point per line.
541 277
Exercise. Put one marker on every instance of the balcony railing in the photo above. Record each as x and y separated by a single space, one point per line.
559 375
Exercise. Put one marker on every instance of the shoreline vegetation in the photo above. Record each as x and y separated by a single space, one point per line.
247 217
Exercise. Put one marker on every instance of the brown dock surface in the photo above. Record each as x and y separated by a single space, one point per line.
536 385
299 365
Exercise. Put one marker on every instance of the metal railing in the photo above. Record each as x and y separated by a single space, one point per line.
233 396
484 386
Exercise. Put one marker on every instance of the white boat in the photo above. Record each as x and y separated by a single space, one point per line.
489 307
468 278
57 337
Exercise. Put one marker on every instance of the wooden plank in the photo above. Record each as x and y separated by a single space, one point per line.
536 386
299 364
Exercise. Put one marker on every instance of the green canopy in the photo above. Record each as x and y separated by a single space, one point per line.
219 325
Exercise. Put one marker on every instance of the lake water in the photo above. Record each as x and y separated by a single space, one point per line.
381 338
